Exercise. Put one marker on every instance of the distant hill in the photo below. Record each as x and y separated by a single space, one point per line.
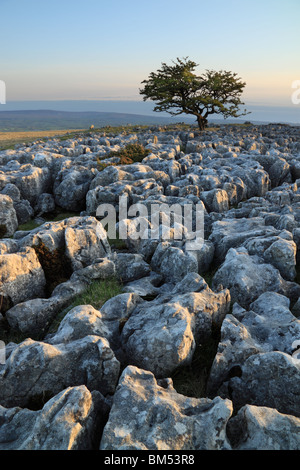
43 120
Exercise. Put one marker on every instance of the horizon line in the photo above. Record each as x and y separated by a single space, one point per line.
247 103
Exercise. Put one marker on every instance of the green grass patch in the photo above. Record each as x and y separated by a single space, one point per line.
208 276
117 243
56 216
96 294
59 215
131 153
30 225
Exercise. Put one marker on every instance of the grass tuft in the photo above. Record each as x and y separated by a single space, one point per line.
96 294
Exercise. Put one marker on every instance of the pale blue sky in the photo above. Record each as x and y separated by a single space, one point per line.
72 49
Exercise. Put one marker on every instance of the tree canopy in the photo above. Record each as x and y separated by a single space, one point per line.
176 89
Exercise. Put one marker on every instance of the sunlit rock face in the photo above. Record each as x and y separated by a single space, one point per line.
8 216
21 276
150 415
30 180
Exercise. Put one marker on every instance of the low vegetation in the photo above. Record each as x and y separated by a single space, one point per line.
96 294
56 216
8 140
131 153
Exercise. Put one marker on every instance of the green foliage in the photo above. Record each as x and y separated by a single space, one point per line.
96 294
177 90
101 165
56 216
30 225
117 243
131 153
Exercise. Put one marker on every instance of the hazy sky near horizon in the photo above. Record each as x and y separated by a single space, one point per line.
70 49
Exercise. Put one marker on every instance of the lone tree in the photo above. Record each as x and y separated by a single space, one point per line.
177 90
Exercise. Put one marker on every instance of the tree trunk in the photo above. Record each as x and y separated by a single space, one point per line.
202 122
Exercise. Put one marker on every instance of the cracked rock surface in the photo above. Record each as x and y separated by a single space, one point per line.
200 350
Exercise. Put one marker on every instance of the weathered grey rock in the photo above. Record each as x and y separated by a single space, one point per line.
85 320
109 175
279 172
167 307
79 322
257 181
68 421
101 268
215 200
44 159
151 415
268 379
236 191
146 286
35 368
232 233
45 204
296 237
30 180
8 216
172 262
267 326
70 289
171 167
106 195
130 266
272 323
248 277
85 241
295 170
8 245
51 234
24 211
161 335
136 191
205 256
192 282
235 346
262 428
12 191
21 276
296 308
33 317
71 186
282 255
